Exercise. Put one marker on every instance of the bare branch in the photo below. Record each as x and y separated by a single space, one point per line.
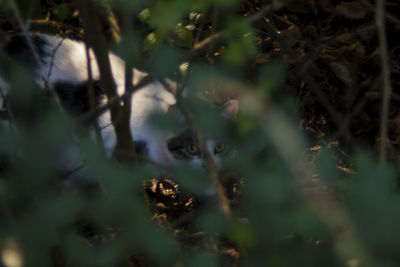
387 89
388 16
92 98
95 39
221 36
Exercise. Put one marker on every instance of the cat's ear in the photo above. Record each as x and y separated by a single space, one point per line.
230 108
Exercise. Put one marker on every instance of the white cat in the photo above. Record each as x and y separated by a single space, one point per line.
61 65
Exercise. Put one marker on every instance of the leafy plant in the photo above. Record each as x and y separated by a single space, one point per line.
292 196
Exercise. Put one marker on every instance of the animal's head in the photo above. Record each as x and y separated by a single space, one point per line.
212 124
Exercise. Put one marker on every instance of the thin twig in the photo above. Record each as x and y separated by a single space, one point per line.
53 54
388 16
387 89
210 164
55 24
220 36
274 6
25 30
92 98
92 114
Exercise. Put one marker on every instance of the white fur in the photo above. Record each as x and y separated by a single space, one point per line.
69 64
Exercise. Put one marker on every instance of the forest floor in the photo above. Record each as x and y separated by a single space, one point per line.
332 58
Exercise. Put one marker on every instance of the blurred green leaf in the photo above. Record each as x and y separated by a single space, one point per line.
225 3
326 164
374 205
185 36
79 250
4 115
165 61
242 234
200 259
162 20
61 12
150 41
193 181
234 53
144 15
5 6
271 77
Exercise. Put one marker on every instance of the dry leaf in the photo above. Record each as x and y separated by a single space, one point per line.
352 10
292 35
342 72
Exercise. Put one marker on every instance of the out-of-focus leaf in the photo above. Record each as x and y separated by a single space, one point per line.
200 259
5 6
150 41
196 182
185 36
238 51
79 250
245 125
326 164
242 234
61 11
4 115
234 53
225 3
144 15
165 61
371 198
270 78
162 20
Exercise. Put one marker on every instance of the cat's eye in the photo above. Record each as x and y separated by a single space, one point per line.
192 149
219 147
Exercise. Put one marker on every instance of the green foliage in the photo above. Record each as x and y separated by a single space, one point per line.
271 78
242 47
114 220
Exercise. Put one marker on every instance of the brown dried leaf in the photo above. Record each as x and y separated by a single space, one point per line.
292 35
352 10
298 7
342 72
358 49
345 37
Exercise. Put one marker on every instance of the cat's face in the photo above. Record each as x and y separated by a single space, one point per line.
185 149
